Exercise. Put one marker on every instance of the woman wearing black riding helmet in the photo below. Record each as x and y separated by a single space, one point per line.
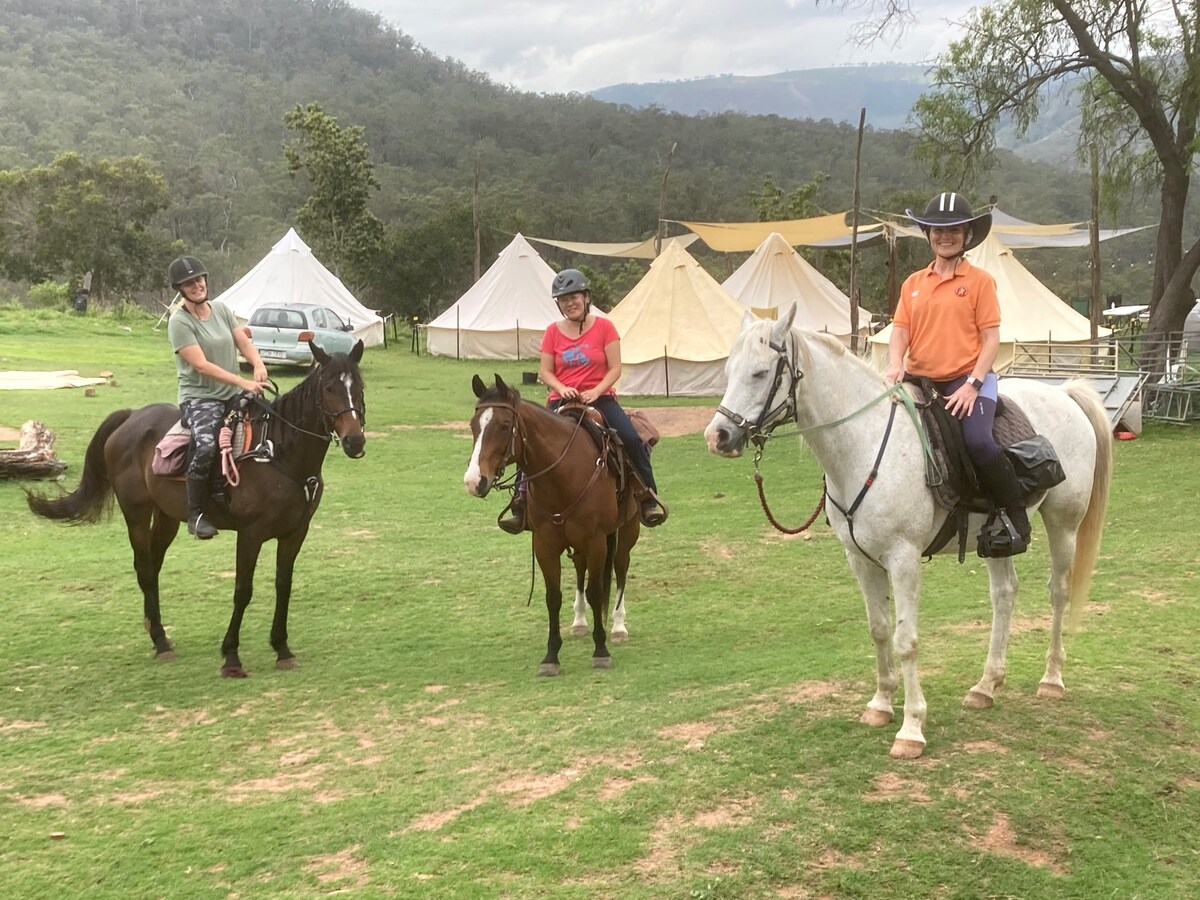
581 361
206 339
947 329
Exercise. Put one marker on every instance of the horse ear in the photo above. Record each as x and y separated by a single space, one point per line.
478 386
500 385
357 352
784 325
318 354
749 319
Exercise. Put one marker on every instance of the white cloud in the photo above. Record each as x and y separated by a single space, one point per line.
555 46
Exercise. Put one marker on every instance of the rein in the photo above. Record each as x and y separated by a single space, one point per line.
518 427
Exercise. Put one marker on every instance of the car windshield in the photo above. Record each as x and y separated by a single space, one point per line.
279 318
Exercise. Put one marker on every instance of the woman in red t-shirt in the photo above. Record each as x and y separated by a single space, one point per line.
947 329
581 360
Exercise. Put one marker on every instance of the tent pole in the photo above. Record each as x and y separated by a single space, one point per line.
862 120
457 333
518 340
666 371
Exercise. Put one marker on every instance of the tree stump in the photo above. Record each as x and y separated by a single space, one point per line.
34 457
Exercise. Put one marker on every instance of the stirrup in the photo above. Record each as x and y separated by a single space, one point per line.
999 538
515 523
653 512
201 528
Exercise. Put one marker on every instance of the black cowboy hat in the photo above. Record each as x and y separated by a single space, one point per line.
949 208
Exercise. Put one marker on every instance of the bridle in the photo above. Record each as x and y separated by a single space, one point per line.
517 429
782 412
270 412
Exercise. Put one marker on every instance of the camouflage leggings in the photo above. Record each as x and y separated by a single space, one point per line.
204 418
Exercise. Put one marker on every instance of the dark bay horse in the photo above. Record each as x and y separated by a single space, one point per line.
275 500
572 503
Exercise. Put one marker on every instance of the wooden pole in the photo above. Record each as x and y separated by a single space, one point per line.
1094 239
862 121
475 216
662 202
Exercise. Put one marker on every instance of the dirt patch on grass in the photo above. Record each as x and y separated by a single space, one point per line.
345 869
1001 840
693 734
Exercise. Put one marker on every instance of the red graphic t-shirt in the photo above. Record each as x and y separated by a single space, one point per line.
579 361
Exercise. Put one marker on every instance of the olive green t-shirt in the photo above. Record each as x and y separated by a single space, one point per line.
215 337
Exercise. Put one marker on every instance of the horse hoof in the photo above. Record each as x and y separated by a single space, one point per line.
977 700
620 637
906 749
579 630
601 662
1049 691
547 670
233 672
290 663
876 718
165 656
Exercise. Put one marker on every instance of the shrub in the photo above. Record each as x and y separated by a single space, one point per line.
49 295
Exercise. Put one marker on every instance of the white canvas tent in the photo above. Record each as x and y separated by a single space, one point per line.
504 314
775 276
1030 313
676 327
291 274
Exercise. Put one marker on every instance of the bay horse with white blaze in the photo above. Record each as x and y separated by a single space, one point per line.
884 514
572 503
275 500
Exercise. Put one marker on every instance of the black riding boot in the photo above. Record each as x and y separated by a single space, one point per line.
198 525
999 482
219 491
654 511
515 523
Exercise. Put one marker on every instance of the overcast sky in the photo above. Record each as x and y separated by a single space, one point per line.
557 46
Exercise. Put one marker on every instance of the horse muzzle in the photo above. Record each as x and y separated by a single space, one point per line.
354 445
478 487
724 438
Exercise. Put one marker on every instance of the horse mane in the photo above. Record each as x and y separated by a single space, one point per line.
301 405
834 346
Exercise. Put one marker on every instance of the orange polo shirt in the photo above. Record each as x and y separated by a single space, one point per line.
944 316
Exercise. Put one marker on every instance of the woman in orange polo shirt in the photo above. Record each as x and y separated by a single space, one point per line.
947 329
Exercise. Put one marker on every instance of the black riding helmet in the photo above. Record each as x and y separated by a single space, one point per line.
949 208
185 268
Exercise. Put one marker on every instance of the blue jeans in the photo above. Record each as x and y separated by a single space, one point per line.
619 422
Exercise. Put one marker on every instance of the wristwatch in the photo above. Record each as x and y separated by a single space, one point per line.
974 382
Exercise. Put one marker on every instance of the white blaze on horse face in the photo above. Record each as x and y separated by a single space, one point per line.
348 382
472 476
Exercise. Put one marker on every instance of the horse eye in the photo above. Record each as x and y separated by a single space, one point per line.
760 374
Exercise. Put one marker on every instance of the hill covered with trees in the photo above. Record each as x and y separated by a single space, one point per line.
199 92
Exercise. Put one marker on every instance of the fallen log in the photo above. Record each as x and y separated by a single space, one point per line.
34 457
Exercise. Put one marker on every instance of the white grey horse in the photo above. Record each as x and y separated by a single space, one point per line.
842 408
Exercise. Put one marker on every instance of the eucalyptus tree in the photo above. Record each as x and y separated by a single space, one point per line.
1136 66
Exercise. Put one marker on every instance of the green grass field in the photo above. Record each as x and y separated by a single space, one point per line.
415 754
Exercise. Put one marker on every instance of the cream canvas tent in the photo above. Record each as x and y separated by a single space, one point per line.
676 327
775 276
291 274
1030 313
504 314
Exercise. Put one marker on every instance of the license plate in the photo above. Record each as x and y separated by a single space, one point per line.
272 354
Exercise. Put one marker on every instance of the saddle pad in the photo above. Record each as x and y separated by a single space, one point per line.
170 453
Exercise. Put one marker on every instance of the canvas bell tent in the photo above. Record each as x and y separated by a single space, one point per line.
676 327
504 314
775 276
291 274
1032 317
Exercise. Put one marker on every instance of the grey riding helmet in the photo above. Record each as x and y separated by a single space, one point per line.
950 208
569 281
185 268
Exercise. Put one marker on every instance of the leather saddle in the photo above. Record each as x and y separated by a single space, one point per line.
949 472
609 443
248 440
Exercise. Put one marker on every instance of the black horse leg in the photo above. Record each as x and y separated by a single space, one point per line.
150 535
551 566
597 587
285 560
243 589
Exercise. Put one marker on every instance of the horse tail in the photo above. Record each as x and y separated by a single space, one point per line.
610 556
88 502
1087 539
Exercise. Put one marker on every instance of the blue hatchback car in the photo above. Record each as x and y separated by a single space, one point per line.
281 332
